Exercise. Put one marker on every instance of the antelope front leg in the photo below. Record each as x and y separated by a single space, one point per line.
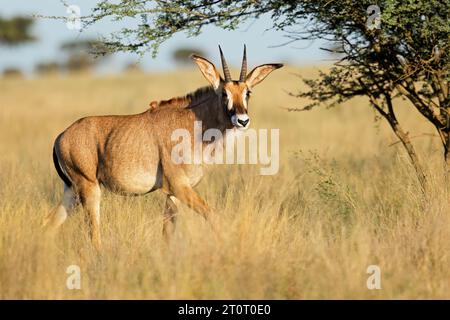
188 196
177 183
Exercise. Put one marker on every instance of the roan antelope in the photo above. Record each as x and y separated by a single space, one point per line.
131 154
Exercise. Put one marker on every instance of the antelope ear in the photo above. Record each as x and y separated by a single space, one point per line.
208 70
259 73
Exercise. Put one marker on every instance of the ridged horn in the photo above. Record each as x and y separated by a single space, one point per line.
226 71
244 66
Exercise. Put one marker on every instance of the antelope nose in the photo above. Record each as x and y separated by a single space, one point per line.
243 122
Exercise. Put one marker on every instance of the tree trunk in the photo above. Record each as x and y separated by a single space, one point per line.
446 145
447 157
444 134
404 138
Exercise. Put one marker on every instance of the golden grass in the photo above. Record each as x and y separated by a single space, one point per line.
343 200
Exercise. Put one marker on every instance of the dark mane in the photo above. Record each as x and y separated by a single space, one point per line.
189 100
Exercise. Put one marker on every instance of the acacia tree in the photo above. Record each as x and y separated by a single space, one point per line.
407 56
16 30
83 54
182 55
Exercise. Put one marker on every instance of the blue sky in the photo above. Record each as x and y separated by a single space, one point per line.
52 33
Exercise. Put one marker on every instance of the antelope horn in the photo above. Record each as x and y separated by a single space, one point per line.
226 71
244 66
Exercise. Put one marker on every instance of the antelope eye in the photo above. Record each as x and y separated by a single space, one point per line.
248 94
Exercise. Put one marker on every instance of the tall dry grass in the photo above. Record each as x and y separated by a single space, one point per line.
343 199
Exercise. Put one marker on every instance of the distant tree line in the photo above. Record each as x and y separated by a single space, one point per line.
81 55
13 32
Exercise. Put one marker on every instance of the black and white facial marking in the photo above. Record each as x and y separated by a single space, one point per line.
235 96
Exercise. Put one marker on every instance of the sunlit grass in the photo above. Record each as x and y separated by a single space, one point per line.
343 199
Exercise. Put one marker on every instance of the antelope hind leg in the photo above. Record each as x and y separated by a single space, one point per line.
90 198
57 217
170 216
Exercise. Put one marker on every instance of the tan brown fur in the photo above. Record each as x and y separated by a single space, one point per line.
131 154
236 89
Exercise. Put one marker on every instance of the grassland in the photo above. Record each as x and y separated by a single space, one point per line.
344 199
